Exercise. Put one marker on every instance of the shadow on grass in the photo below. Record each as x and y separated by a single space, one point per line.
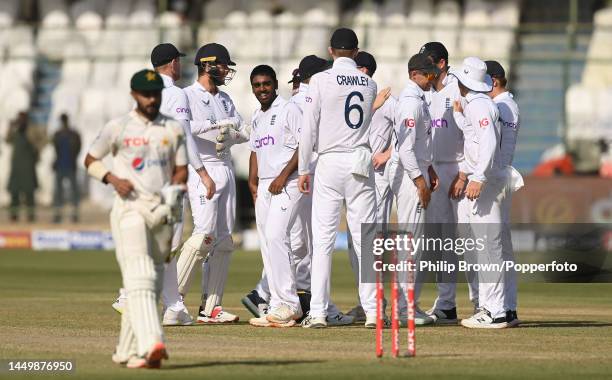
561 324
240 362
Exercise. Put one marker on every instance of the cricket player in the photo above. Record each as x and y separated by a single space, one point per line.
149 154
447 150
510 124
381 129
301 231
411 174
273 143
481 200
217 126
165 59
337 114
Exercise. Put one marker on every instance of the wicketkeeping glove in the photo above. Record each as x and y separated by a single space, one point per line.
228 137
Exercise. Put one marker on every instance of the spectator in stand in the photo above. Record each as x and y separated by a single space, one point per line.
67 144
22 178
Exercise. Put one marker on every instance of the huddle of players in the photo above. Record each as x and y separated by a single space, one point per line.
384 147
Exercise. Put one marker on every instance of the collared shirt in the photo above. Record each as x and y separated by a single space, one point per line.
413 131
510 124
174 101
275 136
480 125
144 152
447 138
381 127
206 110
337 111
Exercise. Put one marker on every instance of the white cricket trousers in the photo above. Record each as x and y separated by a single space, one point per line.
334 184
275 215
384 203
411 218
510 281
141 253
482 219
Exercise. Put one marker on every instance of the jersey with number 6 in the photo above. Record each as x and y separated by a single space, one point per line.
337 111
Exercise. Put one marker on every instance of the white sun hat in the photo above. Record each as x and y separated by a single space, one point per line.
473 75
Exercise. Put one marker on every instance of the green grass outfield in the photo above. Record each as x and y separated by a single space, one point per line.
56 305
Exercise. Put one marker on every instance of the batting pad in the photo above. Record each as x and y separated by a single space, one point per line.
127 340
218 264
191 257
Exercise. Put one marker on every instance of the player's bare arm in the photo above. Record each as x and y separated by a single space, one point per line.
304 183
434 181
276 187
381 98
380 159
423 191
207 181
253 177
457 186
473 190
123 187
179 176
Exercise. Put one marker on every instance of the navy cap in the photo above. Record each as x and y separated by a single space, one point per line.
295 76
495 69
310 65
164 53
435 50
213 53
344 38
422 62
365 59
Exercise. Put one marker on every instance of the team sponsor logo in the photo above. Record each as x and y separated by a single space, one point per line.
509 124
439 123
206 102
409 123
135 141
484 122
182 110
264 141
138 163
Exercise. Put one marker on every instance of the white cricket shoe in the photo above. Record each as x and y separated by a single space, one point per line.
120 359
177 318
263 322
119 304
484 320
283 314
370 322
218 315
152 359
311 322
340 319
357 313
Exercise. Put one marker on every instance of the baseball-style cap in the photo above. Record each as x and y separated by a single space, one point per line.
310 65
295 76
435 50
164 53
146 80
365 59
422 62
344 38
213 52
495 69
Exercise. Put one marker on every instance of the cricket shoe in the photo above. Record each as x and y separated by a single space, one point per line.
119 304
484 320
357 313
340 319
255 304
304 296
370 322
311 322
152 359
218 315
444 317
421 318
512 318
177 318
119 359
283 314
263 322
